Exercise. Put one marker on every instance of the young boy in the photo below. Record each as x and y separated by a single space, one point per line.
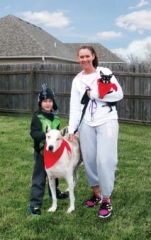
43 116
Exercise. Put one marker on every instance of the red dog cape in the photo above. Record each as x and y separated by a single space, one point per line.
50 158
105 88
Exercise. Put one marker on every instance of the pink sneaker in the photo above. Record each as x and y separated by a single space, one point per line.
94 200
105 210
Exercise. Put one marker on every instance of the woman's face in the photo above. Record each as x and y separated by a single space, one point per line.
85 58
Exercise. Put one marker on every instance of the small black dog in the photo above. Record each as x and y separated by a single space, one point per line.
105 79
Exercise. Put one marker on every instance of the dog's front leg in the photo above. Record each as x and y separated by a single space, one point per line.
71 194
52 184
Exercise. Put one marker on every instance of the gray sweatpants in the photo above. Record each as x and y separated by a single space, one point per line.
99 152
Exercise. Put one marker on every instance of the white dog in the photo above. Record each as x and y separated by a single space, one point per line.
62 159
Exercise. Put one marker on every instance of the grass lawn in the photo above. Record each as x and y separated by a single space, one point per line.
131 218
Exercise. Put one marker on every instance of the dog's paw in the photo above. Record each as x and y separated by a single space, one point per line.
52 209
70 209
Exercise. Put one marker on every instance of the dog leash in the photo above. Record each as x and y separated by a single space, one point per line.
85 100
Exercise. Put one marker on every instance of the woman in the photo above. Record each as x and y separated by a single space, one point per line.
98 130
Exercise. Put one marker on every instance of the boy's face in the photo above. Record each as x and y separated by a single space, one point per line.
47 105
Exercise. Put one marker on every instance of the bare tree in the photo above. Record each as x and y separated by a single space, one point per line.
148 53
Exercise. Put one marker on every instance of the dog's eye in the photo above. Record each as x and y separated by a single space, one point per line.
48 137
58 139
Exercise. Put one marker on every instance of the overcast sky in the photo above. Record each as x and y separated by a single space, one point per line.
122 26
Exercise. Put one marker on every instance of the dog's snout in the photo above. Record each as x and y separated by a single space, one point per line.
50 148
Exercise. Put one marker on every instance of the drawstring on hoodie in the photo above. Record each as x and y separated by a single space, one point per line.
92 107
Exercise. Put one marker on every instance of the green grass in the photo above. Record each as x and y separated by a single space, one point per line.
131 218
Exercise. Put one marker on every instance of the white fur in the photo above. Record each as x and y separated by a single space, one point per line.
66 167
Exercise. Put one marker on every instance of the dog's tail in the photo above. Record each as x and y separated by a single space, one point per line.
76 172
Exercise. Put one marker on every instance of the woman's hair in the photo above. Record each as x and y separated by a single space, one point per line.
95 62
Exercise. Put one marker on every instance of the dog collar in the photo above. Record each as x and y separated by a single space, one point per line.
50 158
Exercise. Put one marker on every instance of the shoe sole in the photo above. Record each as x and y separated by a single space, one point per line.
101 216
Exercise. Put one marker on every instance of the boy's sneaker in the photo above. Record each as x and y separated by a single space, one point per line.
62 195
35 211
59 194
105 210
93 201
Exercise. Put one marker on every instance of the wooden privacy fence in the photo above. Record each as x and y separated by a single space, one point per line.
20 85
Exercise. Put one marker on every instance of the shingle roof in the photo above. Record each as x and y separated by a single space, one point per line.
21 38
104 55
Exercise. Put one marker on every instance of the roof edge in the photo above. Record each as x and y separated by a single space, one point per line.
41 57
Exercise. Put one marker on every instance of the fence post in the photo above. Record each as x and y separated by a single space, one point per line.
32 84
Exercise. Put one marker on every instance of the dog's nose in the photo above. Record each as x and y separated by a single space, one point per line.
50 148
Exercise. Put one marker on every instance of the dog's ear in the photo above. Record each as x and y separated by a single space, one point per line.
47 128
64 131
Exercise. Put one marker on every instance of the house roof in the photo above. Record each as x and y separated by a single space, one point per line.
104 55
21 38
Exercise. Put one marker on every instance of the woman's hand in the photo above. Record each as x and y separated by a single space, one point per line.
88 93
71 136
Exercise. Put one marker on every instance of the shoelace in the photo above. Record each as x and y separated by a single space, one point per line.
106 206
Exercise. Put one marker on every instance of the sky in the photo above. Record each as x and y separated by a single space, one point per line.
122 26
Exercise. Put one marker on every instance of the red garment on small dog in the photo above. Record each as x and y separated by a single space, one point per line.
105 88
50 158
